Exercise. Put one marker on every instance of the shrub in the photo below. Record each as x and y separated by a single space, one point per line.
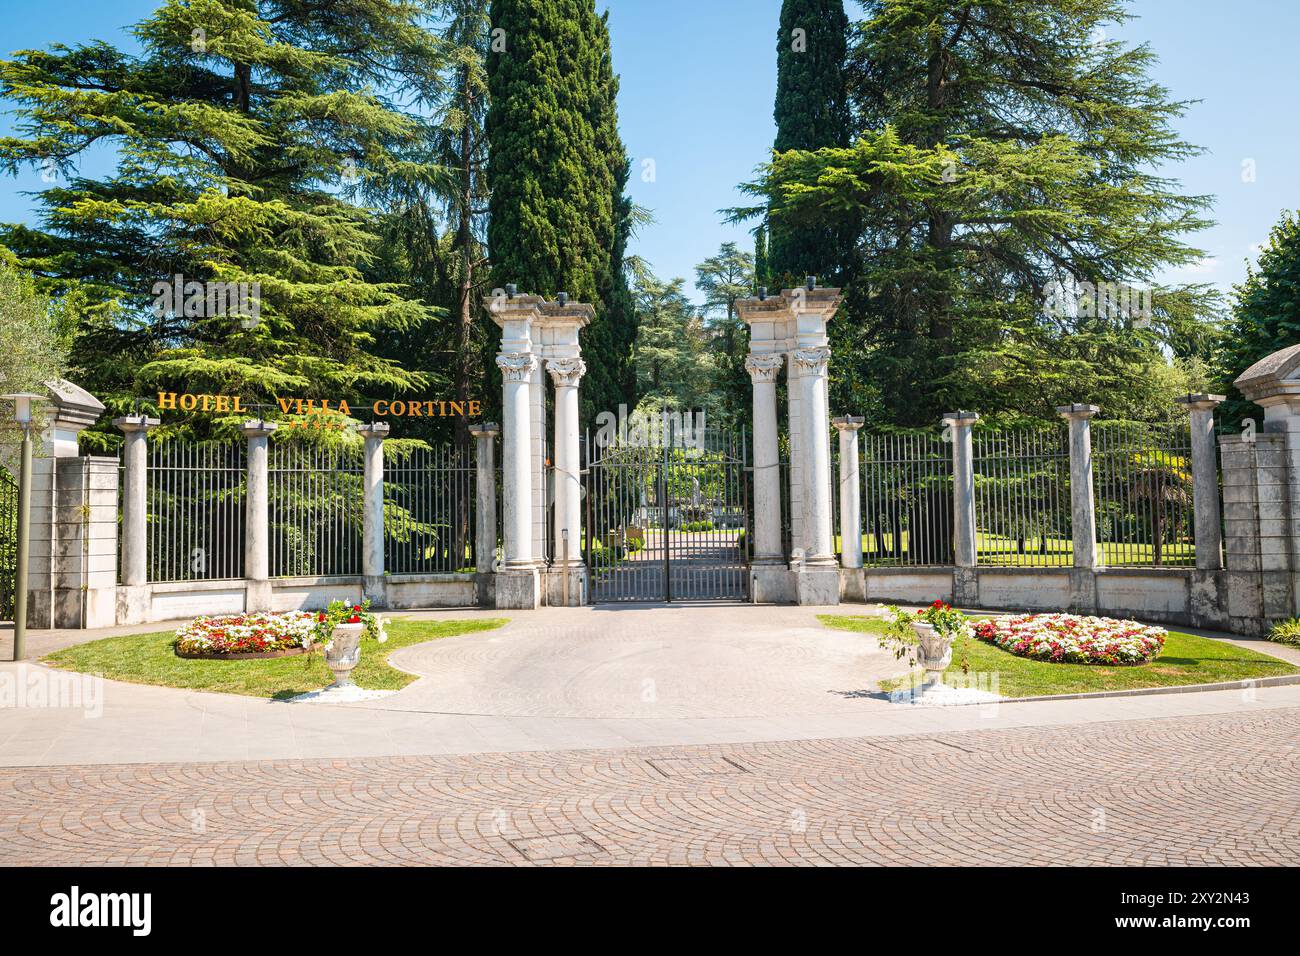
1286 632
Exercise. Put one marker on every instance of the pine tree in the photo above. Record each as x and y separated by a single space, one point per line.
811 112
724 278
1005 152
1266 315
559 221
241 130
674 368
32 348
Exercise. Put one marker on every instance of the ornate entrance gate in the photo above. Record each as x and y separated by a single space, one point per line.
668 520
8 543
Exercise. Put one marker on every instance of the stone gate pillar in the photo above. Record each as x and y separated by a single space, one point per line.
1205 481
558 329
567 373
485 511
374 586
763 370
1088 555
257 518
850 492
133 597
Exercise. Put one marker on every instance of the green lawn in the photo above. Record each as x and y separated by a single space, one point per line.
995 551
149 659
1186 659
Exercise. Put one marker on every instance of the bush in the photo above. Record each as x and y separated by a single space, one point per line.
1286 632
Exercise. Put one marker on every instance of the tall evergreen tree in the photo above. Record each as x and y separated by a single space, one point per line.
558 218
760 259
811 112
241 131
724 278
1004 152
674 367
1266 314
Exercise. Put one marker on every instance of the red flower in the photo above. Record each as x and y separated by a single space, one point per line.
354 619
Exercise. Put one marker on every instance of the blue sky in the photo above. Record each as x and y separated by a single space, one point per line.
696 98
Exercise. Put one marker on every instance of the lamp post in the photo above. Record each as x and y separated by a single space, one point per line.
23 402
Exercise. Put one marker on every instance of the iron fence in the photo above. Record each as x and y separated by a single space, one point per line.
1142 476
195 510
429 511
316 502
1022 497
906 499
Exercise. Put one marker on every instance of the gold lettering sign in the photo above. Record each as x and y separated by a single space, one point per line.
234 405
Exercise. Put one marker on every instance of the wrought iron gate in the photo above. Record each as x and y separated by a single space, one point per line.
8 543
668 521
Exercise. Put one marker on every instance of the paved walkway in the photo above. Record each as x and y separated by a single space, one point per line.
1183 791
560 679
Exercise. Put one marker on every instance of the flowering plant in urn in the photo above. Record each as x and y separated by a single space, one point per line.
343 624
925 637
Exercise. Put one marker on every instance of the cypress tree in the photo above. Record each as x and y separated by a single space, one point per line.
558 217
811 112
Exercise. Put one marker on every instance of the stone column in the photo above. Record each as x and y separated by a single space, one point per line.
813 364
519 566
1088 555
133 598
485 510
567 373
963 487
257 518
1205 481
850 492
763 370
965 583
135 456
373 584
798 477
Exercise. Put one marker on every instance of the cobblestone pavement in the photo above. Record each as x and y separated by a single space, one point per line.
1220 789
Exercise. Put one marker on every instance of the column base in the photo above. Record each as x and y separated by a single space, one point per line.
577 574
257 596
374 588
965 587
134 603
1083 590
518 589
771 584
485 589
817 586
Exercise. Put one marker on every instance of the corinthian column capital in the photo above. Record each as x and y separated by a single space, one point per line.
814 360
566 371
516 366
763 368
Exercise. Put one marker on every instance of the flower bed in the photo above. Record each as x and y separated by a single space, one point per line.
1071 639
258 635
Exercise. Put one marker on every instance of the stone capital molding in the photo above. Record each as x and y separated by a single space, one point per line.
566 372
1077 412
764 368
848 423
135 423
814 360
485 430
516 366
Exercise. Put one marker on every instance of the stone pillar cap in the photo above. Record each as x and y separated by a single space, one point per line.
1077 411
376 429
960 417
1201 398
846 422
258 428
135 423
484 428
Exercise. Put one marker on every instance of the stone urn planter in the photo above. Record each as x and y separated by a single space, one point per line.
343 652
935 650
